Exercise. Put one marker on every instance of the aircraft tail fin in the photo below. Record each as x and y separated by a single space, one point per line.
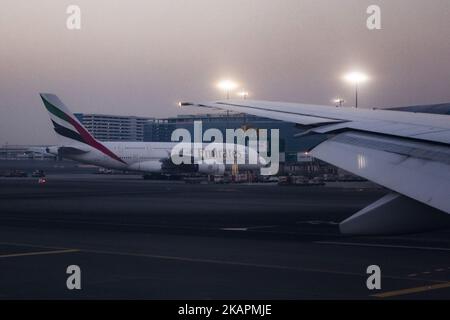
65 124
67 127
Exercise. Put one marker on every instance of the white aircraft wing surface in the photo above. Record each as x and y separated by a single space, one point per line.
408 153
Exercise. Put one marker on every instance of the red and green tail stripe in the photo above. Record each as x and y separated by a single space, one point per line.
82 135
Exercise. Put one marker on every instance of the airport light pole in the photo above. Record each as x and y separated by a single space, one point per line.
227 86
339 102
243 94
356 78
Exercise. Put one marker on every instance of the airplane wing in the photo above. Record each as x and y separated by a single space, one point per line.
58 150
55 150
39 150
72 150
408 153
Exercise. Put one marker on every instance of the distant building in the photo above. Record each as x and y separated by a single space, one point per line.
443 108
24 152
114 128
160 130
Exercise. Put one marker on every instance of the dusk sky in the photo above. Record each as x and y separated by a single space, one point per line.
141 57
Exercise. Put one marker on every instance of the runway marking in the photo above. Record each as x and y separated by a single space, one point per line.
20 244
112 223
426 272
36 253
201 260
359 244
244 264
317 222
262 227
202 228
402 292
247 228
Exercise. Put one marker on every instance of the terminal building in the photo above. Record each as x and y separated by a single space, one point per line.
114 128
24 152
292 148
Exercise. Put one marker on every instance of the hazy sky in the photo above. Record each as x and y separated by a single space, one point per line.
140 57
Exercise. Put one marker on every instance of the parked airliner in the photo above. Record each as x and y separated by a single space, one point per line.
76 143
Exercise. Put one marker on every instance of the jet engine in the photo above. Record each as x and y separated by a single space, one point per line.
52 150
216 168
147 166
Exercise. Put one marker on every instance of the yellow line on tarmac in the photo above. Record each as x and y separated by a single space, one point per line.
36 253
397 293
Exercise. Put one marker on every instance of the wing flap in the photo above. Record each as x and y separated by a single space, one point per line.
427 127
418 170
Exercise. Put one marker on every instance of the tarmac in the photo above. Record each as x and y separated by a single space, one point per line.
140 239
